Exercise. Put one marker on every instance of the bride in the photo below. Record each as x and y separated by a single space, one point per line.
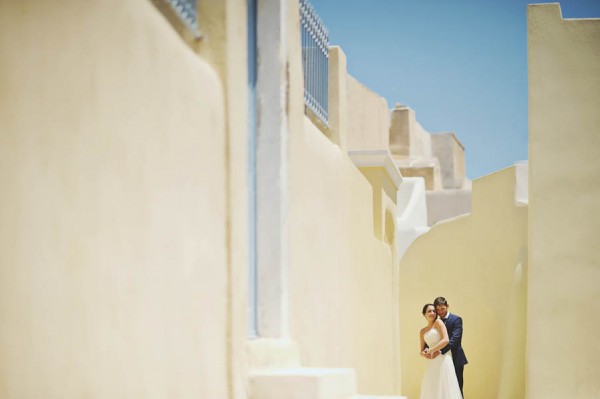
439 381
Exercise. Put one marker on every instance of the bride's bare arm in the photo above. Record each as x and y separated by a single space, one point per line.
439 324
423 348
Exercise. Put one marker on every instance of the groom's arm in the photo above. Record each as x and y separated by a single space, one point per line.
455 336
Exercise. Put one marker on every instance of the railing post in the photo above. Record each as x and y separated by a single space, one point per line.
338 97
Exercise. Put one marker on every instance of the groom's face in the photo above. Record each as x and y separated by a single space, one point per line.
442 310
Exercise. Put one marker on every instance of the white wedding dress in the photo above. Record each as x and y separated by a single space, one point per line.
439 381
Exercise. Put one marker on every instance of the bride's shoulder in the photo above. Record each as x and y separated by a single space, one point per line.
422 331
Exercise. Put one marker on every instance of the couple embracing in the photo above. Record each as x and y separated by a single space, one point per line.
441 345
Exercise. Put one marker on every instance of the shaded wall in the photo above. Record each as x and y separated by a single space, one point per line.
445 204
451 155
342 277
478 263
408 139
341 296
112 242
564 184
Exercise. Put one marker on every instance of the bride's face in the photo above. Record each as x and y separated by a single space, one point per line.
430 314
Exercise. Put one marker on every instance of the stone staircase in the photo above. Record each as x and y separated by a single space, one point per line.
307 383
303 383
377 397
276 373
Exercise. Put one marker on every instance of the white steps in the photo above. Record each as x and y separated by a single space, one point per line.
377 397
306 383
303 383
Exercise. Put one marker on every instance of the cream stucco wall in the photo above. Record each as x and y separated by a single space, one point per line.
410 146
445 204
564 192
408 139
223 45
112 243
451 154
454 197
478 262
341 276
368 118
384 202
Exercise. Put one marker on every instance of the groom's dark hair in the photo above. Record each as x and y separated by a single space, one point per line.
440 300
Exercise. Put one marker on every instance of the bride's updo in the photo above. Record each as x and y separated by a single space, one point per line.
426 306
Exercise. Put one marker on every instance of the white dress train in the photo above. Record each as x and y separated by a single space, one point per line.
439 381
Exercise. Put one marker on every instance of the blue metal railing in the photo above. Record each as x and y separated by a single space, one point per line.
187 10
315 61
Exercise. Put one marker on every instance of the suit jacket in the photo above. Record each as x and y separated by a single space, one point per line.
454 325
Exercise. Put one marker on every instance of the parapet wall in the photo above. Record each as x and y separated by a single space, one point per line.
368 118
564 192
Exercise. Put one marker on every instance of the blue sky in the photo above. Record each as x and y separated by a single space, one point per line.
460 64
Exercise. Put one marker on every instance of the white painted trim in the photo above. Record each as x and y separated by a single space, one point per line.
521 183
377 158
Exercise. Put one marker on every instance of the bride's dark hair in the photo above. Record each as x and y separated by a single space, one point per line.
426 306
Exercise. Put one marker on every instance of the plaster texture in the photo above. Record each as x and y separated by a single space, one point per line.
564 221
428 170
272 170
328 294
223 45
385 179
338 97
436 158
446 204
124 242
478 262
412 212
341 276
368 118
408 139
302 383
113 252
411 148
411 202
522 188
343 317
451 155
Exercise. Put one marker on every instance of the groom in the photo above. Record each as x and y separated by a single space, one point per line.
454 326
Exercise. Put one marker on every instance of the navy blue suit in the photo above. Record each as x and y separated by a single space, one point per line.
454 325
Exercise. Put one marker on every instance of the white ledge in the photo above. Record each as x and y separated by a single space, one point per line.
377 158
521 183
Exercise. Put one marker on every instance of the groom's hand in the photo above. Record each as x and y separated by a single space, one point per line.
435 354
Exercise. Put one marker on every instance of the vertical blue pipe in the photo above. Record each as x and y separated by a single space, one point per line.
252 128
